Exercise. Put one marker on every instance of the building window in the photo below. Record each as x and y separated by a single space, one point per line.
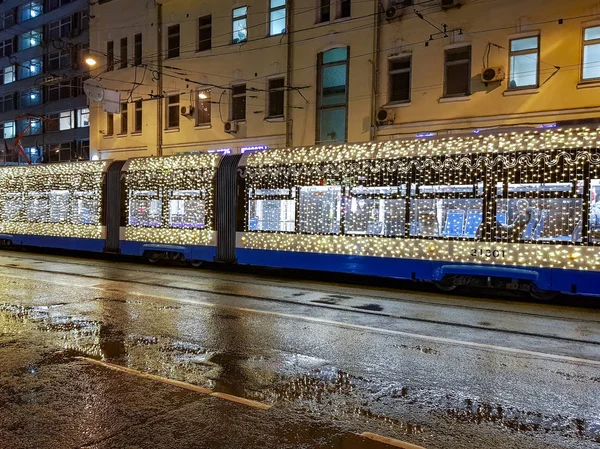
591 54
9 74
7 19
66 120
343 9
332 97
59 91
83 150
110 124
203 108
30 127
6 48
30 39
124 53
84 20
54 4
137 49
32 97
238 102
30 10
277 17
240 29
324 11
60 28
173 41
276 97
204 33
110 56
173 112
457 72
83 117
137 118
123 118
59 60
399 70
30 68
8 129
6 103
524 62
59 152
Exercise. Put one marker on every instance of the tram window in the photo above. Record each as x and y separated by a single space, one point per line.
375 216
448 217
595 210
540 187
187 213
320 209
143 209
59 206
12 207
463 188
84 208
539 219
272 215
37 206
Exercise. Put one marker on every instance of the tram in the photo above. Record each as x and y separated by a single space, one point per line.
516 210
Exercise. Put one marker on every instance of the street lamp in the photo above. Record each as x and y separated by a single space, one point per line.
90 61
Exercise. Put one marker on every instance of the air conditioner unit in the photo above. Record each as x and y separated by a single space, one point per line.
231 127
385 116
187 112
492 74
392 12
447 4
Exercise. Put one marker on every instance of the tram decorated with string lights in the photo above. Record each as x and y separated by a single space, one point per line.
517 210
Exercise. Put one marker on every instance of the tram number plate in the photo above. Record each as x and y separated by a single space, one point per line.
489 253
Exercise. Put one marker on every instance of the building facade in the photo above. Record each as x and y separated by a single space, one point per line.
42 105
236 76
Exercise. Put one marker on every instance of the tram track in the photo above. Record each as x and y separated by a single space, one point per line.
229 294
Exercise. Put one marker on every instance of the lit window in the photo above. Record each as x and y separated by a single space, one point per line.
203 108
30 68
8 129
591 53
524 62
457 73
83 117
66 120
31 39
277 17
240 30
319 209
30 10
9 74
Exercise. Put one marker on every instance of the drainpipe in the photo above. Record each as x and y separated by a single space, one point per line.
375 71
159 81
289 123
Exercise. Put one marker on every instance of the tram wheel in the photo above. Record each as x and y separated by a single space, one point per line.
196 263
445 285
153 257
542 295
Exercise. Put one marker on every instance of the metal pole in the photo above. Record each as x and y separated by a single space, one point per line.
159 82
289 123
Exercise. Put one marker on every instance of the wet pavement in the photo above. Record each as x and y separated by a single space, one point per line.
328 361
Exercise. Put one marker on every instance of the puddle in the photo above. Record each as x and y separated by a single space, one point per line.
373 307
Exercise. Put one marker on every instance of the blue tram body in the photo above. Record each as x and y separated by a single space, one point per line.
500 210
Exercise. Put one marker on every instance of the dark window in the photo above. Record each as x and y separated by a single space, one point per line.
59 152
204 33
276 97
6 48
137 49
110 125
332 98
123 118
7 19
6 103
59 91
457 72
52 123
173 111
238 102
83 150
137 124
400 79
325 11
203 108
124 53
173 41
345 8
110 56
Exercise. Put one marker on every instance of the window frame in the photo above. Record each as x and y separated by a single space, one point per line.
583 46
110 56
12 126
138 107
123 119
110 124
391 73
30 6
320 107
339 7
237 96
323 11
123 53
199 103
277 90
170 105
240 18
273 9
137 49
468 62
511 54
203 27
173 32
80 117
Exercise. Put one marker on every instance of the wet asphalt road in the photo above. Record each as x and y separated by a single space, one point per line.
331 362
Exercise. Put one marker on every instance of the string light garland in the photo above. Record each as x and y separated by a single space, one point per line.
59 200
518 198
170 200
